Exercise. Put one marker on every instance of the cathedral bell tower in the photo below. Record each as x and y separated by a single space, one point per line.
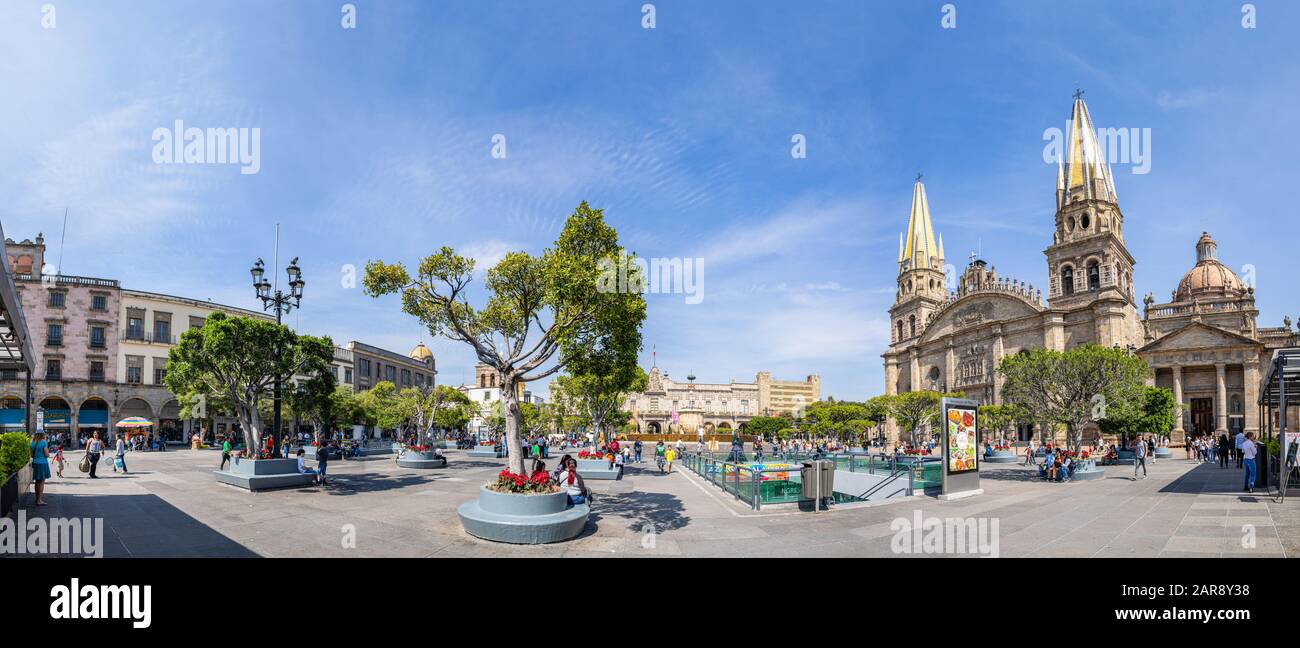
1088 264
921 286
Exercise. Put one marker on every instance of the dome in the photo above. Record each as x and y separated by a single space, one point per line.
421 352
1209 279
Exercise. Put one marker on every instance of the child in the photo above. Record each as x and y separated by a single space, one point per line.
58 458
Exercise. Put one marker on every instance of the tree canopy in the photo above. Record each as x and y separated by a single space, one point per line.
543 313
1075 388
234 361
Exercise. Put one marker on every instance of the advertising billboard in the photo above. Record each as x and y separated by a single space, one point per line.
961 437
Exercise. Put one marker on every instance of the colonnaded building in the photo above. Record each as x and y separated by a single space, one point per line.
101 354
1203 344
667 406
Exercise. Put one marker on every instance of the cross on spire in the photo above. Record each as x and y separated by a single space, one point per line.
1078 94
973 256
918 177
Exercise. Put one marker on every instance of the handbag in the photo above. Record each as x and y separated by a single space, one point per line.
119 463
84 466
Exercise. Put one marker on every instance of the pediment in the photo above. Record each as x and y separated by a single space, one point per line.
1198 335
977 310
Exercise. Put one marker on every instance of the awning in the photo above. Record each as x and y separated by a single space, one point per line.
1284 368
15 345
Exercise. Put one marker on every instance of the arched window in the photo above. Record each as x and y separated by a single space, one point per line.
900 329
1094 276
1067 280
912 320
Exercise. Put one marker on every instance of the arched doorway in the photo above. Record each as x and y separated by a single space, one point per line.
58 418
92 416
653 427
135 407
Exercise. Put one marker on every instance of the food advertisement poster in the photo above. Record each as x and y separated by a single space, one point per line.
962 439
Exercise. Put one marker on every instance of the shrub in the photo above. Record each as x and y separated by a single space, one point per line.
15 452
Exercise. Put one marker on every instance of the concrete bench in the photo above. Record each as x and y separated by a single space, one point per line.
264 474
517 519
598 469
418 460
483 451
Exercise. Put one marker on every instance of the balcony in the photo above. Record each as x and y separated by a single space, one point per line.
54 341
141 337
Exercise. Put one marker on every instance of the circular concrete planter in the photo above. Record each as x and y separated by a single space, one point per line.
1164 453
522 519
428 459
1000 456
1088 470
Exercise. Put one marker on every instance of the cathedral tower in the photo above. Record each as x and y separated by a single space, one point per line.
1088 264
921 286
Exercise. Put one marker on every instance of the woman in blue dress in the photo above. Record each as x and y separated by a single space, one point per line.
40 466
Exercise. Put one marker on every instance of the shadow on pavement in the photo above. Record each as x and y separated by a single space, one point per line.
641 509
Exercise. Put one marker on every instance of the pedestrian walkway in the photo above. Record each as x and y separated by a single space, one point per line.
171 506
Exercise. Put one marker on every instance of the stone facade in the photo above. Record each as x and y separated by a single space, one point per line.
667 406
949 333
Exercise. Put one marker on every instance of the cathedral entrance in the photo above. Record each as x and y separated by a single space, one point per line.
1203 415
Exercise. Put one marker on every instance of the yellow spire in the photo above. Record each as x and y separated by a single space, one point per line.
1085 165
920 230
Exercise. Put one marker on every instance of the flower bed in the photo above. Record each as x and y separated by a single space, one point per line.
508 482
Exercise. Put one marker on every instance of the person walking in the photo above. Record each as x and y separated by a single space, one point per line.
225 452
636 450
40 465
58 459
119 459
1151 450
1029 454
1223 455
669 455
1140 458
1248 451
94 449
1238 441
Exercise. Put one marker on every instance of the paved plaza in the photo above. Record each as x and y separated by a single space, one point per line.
170 506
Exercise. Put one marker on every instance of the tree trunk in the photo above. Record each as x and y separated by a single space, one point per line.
513 416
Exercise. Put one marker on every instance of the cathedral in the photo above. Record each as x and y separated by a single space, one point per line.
1203 345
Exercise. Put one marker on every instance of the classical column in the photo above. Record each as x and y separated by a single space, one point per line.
1179 432
998 350
914 380
1221 400
891 375
950 369
1251 388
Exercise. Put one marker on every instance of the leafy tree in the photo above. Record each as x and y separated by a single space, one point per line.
430 409
454 411
385 407
998 419
312 399
878 408
766 426
916 412
1075 388
234 360
557 309
597 398
1154 415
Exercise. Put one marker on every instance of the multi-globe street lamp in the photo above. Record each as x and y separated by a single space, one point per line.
282 302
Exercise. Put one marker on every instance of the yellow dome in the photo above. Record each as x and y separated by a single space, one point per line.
1209 279
421 352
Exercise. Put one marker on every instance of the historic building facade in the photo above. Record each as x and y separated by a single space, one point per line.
949 334
667 406
101 353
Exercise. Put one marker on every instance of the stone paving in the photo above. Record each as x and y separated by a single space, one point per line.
170 506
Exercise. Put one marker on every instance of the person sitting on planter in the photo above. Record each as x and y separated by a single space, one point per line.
571 484
303 469
564 461
1049 460
1063 473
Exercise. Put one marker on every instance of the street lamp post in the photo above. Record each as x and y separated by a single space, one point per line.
282 302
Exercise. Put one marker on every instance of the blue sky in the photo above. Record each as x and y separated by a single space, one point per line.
376 144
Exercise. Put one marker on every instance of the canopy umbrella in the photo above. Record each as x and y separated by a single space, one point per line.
134 422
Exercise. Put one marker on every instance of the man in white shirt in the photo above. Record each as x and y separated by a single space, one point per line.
1247 452
1236 446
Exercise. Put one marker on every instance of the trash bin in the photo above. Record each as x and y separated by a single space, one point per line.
813 472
